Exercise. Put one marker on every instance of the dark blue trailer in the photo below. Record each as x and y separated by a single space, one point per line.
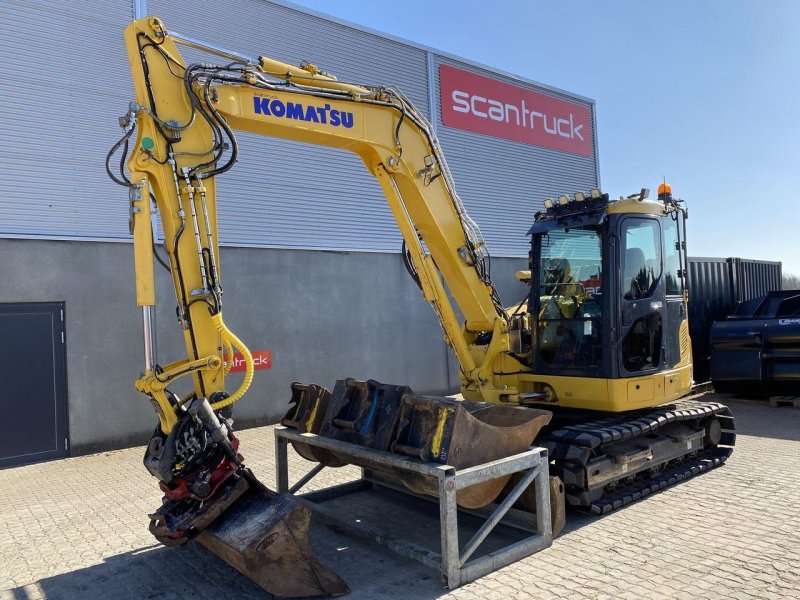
757 349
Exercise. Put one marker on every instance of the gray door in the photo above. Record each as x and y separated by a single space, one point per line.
33 383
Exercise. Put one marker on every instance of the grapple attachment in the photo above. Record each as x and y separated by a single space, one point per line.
211 496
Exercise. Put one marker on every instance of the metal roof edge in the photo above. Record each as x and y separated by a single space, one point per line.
728 259
443 54
718 259
757 260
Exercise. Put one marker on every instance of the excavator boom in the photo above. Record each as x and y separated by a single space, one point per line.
187 116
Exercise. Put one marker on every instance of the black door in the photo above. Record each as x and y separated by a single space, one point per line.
33 383
642 304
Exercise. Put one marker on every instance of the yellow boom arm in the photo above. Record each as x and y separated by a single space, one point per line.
186 115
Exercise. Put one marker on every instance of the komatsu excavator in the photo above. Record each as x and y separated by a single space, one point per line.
600 348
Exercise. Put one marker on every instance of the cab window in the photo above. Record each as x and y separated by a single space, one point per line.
640 274
570 284
671 257
641 258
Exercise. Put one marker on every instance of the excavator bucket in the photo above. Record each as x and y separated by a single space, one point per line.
431 428
464 434
364 412
358 412
527 501
264 536
308 408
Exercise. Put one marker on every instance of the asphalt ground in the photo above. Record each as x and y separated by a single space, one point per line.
77 528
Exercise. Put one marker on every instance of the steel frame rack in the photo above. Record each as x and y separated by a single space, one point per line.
456 566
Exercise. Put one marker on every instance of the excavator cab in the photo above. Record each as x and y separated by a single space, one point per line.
607 298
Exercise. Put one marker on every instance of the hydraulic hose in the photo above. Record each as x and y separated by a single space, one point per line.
229 353
229 339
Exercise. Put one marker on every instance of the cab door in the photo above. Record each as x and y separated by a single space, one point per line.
673 228
642 298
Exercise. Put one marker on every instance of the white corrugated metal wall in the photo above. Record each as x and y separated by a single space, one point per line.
68 76
286 194
65 81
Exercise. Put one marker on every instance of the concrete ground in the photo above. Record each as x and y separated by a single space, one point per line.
77 528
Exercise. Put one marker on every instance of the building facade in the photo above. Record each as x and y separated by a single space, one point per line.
310 251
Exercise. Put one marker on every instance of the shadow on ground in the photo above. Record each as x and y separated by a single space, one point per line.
150 572
157 572
756 417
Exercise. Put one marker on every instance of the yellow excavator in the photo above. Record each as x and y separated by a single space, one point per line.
596 362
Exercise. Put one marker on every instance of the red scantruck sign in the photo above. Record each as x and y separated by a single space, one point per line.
262 359
482 105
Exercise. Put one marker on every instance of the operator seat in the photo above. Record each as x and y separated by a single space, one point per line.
559 275
635 274
571 283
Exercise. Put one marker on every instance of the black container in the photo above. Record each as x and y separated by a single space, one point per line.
716 286
757 350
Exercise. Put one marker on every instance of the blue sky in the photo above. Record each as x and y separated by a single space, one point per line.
706 93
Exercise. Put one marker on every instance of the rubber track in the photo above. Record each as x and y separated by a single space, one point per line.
670 477
574 445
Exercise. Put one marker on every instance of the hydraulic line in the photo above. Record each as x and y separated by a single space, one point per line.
209 237
221 122
409 264
229 339
229 353
190 194
122 143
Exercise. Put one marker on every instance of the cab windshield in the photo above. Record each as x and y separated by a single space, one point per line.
570 277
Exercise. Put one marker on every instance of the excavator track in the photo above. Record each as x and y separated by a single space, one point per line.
615 460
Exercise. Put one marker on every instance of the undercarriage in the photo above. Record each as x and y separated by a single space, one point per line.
608 462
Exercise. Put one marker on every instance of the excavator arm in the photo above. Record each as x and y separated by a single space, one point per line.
186 117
